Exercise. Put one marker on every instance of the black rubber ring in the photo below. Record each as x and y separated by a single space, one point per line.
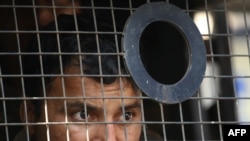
136 23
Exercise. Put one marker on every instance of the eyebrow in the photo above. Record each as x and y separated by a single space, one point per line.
90 107
131 106
81 105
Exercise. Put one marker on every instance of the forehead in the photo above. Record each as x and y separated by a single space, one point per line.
77 85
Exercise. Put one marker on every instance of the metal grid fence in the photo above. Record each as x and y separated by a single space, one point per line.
223 97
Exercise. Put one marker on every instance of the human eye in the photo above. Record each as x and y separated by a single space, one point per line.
82 115
127 116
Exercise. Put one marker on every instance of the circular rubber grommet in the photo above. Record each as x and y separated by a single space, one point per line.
136 24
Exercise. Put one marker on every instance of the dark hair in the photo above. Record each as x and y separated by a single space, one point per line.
59 45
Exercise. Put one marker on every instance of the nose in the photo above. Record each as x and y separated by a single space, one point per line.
104 132
111 132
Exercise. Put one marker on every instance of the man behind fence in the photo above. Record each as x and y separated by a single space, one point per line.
76 87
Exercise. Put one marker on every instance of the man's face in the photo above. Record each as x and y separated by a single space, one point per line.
101 115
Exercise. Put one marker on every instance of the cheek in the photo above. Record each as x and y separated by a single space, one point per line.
58 132
77 132
66 133
134 132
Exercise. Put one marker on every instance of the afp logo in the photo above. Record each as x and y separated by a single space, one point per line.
236 132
